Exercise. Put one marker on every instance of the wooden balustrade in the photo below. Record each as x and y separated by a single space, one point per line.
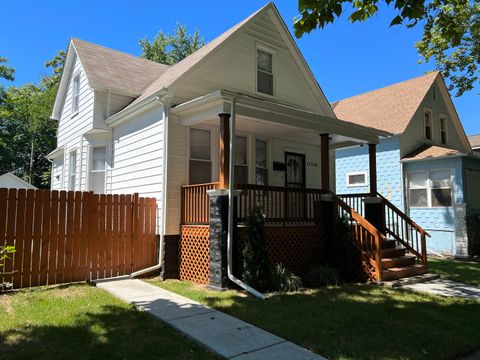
196 203
355 201
281 205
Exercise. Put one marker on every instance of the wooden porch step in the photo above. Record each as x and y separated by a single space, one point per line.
403 272
401 261
389 243
394 252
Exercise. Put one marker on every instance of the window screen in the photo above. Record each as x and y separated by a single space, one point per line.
264 72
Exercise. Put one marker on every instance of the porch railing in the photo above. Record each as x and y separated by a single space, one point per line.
195 203
281 205
397 224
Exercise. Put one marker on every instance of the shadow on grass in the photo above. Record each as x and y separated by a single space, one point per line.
363 322
111 332
456 270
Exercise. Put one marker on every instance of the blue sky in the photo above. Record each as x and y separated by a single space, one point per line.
347 59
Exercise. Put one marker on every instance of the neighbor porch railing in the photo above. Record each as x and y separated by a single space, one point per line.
195 203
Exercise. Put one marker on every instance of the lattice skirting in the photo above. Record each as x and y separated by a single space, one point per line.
298 248
194 253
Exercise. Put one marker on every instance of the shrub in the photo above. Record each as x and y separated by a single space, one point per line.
342 251
255 261
4 252
322 275
283 280
473 230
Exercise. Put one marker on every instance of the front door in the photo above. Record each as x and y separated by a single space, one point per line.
294 170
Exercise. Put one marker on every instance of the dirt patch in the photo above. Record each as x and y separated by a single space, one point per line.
6 302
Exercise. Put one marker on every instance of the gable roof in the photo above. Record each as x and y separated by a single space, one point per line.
14 181
474 141
431 152
114 70
390 108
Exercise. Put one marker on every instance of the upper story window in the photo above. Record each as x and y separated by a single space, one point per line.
443 129
75 94
200 165
357 179
428 124
241 163
72 170
97 169
430 188
261 169
264 72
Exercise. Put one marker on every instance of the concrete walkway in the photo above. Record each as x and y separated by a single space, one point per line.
446 287
220 333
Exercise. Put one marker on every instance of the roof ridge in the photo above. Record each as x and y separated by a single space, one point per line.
387 86
120 52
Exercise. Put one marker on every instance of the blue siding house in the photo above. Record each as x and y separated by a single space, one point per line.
426 167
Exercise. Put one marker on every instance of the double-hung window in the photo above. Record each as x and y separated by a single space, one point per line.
430 188
200 166
261 169
76 94
241 163
264 72
428 124
72 170
443 129
97 169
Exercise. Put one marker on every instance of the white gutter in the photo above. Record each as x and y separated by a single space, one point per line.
164 191
230 210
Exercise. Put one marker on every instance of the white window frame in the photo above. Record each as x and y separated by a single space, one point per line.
73 173
213 161
429 188
443 123
353 173
429 111
255 167
259 47
249 152
90 167
75 94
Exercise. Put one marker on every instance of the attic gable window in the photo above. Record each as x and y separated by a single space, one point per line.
75 93
264 72
443 129
428 124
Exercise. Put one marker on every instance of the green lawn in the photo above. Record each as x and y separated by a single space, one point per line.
463 271
83 322
355 321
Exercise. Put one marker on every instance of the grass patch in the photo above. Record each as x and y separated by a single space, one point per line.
456 270
355 321
83 322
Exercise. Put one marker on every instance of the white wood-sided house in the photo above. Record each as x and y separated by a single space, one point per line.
129 125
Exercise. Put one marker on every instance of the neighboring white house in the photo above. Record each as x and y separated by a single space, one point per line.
10 181
129 125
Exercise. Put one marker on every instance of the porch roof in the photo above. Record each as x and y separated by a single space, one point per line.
268 117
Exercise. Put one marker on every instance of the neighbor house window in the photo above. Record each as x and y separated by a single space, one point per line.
264 72
75 93
72 170
428 125
261 170
200 170
357 179
97 169
430 188
443 129
241 165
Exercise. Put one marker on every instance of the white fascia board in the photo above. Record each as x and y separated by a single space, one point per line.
56 153
434 158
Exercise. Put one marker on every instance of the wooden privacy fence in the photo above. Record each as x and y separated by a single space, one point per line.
63 237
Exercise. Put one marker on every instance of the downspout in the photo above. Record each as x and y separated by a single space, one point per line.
164 193
230 209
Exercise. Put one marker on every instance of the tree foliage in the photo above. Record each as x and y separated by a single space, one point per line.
6 72
169 49
451 30
27 134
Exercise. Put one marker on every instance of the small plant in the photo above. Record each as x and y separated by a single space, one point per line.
5 251
283 280
255 261
322 275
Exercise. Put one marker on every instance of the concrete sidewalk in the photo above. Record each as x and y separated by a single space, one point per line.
446 287
220 333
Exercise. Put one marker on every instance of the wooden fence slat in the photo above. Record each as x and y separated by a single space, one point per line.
138 237
101 236
62 231
152 234
69 237
28 242
84 235
3 219
95 238
37 235
115 237
76 235
129 214
20 239
44 256
122 234
108 237
53 268
10 241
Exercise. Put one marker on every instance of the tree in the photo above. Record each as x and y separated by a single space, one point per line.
451 30
6 72
169 49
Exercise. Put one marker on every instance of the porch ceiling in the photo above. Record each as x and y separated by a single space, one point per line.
269 118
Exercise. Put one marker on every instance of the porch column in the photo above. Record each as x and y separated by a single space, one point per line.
224 150
372 156
325 160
